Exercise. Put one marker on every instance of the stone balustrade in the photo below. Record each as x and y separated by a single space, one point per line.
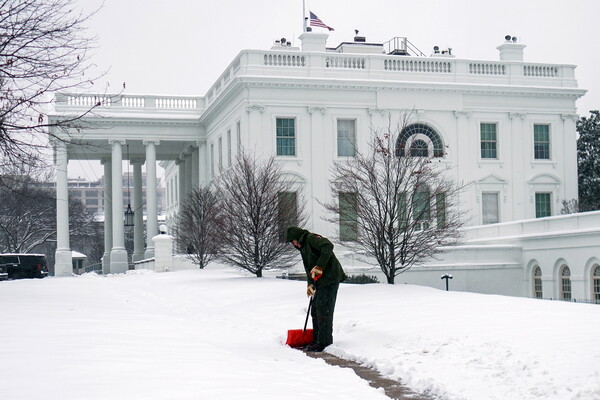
122 102
296 64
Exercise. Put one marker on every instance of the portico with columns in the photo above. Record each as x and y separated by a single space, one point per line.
164 129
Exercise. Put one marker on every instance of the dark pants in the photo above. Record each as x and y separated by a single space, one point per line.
322 313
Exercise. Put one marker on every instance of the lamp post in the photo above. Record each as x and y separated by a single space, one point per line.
446 277
129 215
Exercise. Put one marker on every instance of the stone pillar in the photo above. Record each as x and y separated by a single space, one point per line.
118 254
181 174
63 265
151 190
107 215
195 167
188 173
138 216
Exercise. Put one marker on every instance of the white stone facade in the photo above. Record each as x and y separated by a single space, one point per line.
505 127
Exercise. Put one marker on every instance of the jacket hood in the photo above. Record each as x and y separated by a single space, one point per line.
294 233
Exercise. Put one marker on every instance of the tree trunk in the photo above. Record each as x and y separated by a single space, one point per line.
259 273
390 279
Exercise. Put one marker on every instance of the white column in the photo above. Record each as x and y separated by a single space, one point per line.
138 208
181 195
118 254
151 190
107 215
188 172
63 265
195 167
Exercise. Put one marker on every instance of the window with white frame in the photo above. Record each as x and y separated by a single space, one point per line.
596 284
287 212
537 282
490 207
286 136
348 218
541 141
421 208
346 137
565 283
489 140
543 204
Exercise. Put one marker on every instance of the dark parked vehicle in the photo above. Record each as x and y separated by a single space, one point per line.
18 266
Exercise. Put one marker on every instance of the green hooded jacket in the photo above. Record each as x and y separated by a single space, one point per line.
317 250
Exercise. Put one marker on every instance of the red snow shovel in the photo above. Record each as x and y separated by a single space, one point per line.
301 337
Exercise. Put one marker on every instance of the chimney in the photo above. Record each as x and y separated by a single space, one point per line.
313 41
510 50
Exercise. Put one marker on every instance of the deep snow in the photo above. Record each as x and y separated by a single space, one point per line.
218 334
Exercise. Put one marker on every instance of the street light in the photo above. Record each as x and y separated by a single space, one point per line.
446 277
129 214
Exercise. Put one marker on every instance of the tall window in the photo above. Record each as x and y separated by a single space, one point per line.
228 147
286 136
402 211
489 141
565 283
421 208
537 282
490 207
543 205
348 217
346 137
541 142
596 284
287 212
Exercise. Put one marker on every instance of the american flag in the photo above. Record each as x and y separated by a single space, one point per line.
315 21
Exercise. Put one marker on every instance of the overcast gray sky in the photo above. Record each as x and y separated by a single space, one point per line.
182 46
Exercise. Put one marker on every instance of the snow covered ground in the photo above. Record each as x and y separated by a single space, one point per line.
217 334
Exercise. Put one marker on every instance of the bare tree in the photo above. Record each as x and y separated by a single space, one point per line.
197 230
43 50
397 210
258 205
28 214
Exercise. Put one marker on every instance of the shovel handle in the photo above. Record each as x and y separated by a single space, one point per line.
307 314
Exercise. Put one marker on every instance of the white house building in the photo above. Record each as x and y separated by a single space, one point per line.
506 127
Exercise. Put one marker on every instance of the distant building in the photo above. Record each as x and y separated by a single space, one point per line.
91 193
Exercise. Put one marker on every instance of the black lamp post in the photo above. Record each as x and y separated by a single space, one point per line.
129 214
446 277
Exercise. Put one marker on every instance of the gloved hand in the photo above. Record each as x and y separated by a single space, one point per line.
316 271
310 290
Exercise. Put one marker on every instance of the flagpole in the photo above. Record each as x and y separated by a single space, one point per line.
303 16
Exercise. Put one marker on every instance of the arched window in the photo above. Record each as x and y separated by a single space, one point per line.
419 129
596 284
565 283
418 148
537 282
